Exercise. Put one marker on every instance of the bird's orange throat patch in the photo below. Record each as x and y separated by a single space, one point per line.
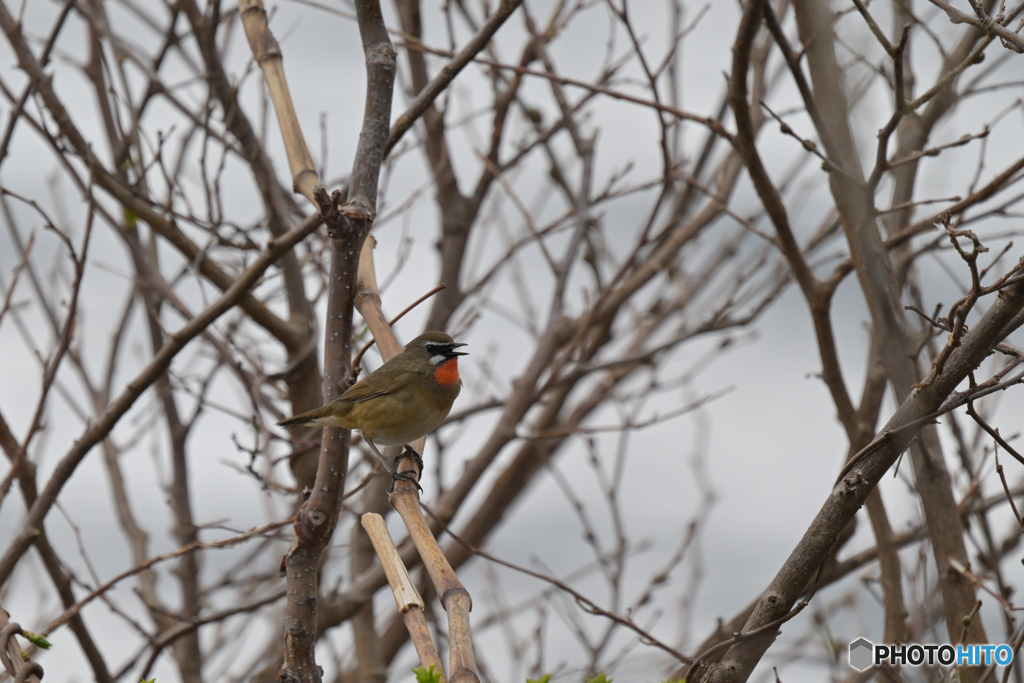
448 373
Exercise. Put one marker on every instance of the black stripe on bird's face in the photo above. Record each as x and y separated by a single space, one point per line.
440 352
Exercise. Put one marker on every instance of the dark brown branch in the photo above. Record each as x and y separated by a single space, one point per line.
347 225
851 492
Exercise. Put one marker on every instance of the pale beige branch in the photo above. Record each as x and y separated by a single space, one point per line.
267 53
407 598
405 497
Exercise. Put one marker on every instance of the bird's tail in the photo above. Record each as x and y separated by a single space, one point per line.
297 421
324 416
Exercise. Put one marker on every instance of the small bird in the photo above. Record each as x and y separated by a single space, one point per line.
407 397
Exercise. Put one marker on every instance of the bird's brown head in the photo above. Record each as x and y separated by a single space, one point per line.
441 353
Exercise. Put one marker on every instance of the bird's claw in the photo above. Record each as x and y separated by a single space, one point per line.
407 475
408 452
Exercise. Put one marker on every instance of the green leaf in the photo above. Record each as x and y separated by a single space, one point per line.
543 679
599 678
130 219
427 675
37 640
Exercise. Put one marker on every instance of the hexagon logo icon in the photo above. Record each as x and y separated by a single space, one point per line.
861 654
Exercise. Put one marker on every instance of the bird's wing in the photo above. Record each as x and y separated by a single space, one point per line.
364 390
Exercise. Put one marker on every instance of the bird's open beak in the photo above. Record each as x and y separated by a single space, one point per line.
453 352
